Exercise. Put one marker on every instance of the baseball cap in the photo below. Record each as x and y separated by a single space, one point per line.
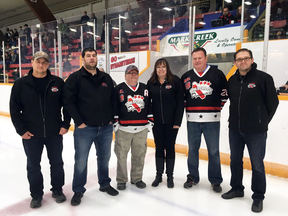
41 54
130 68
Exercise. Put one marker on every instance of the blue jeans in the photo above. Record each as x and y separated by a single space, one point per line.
33 148
210 131
256 144
83 139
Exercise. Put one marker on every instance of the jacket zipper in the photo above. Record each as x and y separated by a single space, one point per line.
161 103
43 111
239 103
259 115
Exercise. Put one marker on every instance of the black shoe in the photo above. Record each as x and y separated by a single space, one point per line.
76 199
257 206
157 180
189 183
109 190
59 196
36 202
121 186
140 184
217 188
170 183
232 194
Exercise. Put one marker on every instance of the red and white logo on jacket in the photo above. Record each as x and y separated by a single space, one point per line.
135 103
54 89
251 85
201 89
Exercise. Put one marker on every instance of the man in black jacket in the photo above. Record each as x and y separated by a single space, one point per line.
226 16
253 102
35 108
88 98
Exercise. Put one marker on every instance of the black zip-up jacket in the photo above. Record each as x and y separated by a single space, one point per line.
167 101
89 99
26 110
253 101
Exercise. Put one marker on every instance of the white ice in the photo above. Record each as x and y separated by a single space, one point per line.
198 200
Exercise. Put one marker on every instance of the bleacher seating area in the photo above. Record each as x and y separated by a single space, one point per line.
138 39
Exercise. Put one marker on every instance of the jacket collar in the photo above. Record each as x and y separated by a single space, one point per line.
84 72
252 70
29 77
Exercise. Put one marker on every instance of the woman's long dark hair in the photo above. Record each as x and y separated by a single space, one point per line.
169 74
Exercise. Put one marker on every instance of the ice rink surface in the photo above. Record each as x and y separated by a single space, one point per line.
199 200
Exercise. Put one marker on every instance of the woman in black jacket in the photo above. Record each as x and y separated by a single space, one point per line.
167 96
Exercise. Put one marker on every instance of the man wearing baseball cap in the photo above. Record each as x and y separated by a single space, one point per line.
131 127
35 109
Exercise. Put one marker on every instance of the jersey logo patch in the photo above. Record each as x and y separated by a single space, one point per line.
121 97
251 85
187 85
135 103
201 89
54 89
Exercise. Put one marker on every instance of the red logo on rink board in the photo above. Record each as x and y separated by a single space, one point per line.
54 89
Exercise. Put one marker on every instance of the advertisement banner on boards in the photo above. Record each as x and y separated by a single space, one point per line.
118 61
213 40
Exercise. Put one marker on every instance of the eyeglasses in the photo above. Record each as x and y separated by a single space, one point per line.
132 73
242 59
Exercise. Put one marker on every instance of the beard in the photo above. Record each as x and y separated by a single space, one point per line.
90 67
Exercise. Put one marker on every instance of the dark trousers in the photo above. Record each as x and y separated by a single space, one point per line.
256 144
164 138
33 148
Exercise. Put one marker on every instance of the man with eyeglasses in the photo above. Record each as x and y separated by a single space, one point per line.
131 128
253 102
226 17
35 109
88 97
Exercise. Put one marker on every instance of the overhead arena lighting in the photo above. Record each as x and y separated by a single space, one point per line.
167 9
90 23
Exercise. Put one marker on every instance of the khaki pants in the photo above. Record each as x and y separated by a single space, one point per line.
138 143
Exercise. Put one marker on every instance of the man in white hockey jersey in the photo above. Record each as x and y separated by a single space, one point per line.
205 89
131 127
